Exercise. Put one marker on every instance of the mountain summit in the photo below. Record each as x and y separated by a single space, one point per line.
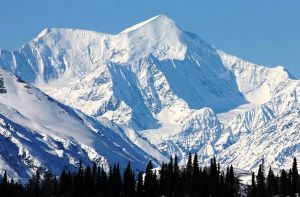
168 87
156 24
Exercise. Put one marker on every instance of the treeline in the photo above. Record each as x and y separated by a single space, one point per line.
169 180
285 183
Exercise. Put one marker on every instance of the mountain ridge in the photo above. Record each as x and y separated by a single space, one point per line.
166 85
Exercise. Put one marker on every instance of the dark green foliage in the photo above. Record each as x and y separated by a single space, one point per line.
251 192
284 184
170 180
47 186
78 181
114 181
88 186
260 181
140 185
271 184
128 182
150 182
295 177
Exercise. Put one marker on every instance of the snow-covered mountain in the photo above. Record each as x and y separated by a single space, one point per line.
38 132
170 87
268 127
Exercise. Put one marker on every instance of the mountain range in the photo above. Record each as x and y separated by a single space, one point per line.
151 91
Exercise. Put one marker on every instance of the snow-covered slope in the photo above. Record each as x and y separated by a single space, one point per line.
166 85
39 132
258 84
266 128
269 131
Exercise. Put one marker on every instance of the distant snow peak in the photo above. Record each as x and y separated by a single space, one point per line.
156 22
158 36
42 34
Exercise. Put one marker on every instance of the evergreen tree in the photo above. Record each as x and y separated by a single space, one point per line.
260 178
47 185
150 181
170 180
4 185
129 182
78 181
140 185
155 183
176 178
63 184
189 166
295 177
163 174
231 183
195 176
115 181
101 182
67 184
188 176
284 183
33 188
290 183
213 172
70 183
271 184
252 192
54 186
94 178
87 182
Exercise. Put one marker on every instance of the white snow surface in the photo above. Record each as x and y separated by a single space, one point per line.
168 91
38 132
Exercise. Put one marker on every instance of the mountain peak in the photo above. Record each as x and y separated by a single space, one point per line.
155 22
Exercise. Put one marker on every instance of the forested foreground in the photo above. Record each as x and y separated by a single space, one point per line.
285 183
168 180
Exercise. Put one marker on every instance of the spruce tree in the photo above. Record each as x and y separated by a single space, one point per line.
101 182
94 178
140 185
47 184
189 166
4 185
253 186
150 181
260 178
63 184
115 181
129 182
188 176
163 174
271 184
170 180
55 186
176 177
290 183
87 182
295 177
33 187
213 173
78 182
195 176
284 183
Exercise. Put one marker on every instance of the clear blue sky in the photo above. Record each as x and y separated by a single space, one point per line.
262 31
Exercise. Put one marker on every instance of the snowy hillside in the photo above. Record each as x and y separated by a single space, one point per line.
39 132
170 87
